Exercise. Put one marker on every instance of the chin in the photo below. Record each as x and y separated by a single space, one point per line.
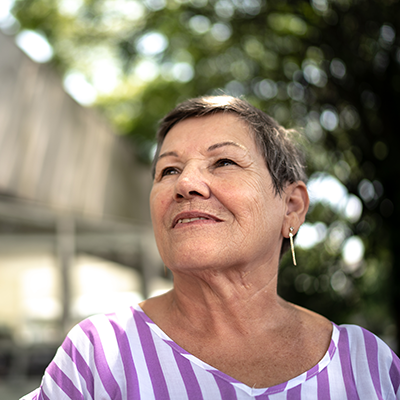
192 258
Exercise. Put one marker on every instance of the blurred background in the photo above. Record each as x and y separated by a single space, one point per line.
82 86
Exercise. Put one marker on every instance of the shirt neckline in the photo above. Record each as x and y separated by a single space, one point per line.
298 380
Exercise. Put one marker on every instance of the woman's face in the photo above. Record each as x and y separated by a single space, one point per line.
212 202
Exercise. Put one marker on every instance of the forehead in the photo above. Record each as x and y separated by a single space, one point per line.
210 129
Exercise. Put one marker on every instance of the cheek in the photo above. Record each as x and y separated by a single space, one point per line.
157 205
157 212
255 207
247 197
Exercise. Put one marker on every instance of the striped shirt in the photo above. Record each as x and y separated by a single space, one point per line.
126 356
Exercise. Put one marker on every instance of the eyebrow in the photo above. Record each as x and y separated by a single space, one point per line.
168 154
211 148
222 144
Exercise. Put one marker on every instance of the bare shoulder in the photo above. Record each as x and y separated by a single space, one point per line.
315 322
313 330
305 316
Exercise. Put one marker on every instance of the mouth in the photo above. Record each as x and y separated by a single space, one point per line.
192 217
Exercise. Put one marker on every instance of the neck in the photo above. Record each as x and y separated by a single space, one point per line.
213 301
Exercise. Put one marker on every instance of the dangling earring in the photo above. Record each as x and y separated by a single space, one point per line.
292 245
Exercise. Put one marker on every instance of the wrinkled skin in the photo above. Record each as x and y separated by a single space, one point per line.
210 167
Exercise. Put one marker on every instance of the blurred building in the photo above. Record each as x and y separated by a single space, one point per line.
75 232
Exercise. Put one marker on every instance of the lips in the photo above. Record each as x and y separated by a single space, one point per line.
192 216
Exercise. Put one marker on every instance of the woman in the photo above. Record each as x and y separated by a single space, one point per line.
228 193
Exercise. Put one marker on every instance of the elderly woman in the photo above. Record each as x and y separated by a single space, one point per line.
228 194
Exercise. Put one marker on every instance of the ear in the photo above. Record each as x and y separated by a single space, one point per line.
297 202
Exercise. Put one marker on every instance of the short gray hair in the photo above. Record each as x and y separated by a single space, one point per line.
280 147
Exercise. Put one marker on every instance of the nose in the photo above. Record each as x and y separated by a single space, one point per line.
191 183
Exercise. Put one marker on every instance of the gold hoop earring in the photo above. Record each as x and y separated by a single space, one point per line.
292 244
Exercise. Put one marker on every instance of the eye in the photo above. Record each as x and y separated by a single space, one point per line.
169 171
224 162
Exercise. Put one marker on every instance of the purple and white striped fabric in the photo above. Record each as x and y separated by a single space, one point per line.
126 356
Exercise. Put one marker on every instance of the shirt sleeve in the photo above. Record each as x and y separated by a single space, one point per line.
375 366
32 396
71 374
394 374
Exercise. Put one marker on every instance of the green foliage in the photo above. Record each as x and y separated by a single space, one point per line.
331 68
